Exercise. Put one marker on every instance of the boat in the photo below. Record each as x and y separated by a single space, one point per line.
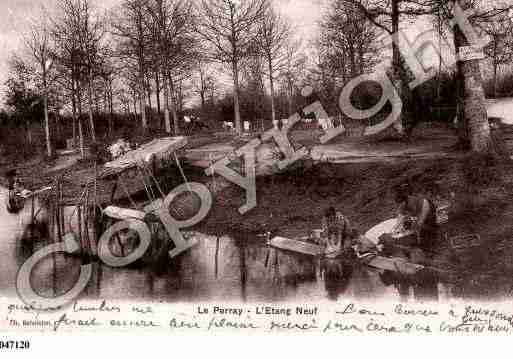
144 162
149 154
371 258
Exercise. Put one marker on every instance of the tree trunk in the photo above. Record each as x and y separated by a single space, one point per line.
352 61
148 89
396 63
167 121
179 97
97 102
111 110
202 95
173 107
495 68
90 106
212 98
142 70
236 109
202 91
290 96
105 100
74 112
47 120
135 106
80 130
142 109
475 117
361 60
29 132
142 100
157 91
271 85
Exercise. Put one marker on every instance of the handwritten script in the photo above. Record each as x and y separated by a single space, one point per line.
400 318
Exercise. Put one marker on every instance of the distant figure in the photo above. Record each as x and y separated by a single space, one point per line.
322 123
227 125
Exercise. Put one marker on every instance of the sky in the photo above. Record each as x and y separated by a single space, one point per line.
18 14
304 16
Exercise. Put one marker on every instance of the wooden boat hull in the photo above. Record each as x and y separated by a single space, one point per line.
375 261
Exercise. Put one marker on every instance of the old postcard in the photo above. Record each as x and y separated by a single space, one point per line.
327 167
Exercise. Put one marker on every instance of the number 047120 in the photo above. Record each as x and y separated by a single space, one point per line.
14 344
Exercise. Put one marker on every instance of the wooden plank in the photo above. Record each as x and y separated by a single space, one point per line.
123 213
394 264
296 246
146 153
28 194
379 262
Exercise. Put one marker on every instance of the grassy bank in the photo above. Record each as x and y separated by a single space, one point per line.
293 203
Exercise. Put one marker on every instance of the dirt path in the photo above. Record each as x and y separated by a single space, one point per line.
65 160
427 143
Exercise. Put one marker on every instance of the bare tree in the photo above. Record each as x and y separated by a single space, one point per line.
273 34
386 15
106 70
294 64
21 96
38 42
76 40
129 27
203 84
500 48
253 99
350 39
229 27
91 33
174 42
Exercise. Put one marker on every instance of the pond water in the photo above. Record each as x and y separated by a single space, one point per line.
225 268
218 268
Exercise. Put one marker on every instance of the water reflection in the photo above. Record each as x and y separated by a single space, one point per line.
423 286
218 268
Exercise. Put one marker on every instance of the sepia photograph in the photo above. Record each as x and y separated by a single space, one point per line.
292 166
